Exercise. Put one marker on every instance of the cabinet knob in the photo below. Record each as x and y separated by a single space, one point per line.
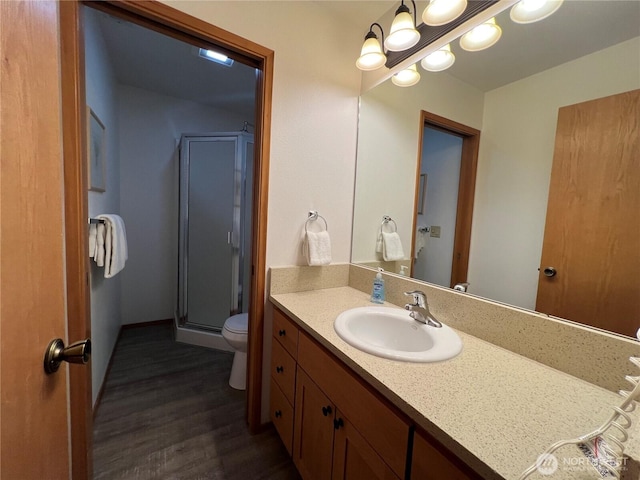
282 332
278 413
326 411
279 369
337 423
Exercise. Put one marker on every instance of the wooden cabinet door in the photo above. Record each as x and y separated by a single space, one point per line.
428 463
313 430
353 457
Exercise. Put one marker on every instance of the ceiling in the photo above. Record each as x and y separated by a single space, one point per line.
146 59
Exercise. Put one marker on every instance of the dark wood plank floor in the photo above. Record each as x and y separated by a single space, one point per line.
167 412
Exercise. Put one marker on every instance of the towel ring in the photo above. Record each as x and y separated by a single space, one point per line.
385 221
313 216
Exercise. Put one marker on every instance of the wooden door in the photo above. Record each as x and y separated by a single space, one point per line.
353 457
592 231
34 426
428 463
313 430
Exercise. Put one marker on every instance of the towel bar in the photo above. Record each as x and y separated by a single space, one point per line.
385 220
313 216
94 221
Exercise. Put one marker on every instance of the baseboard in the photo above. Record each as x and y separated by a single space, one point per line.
166 321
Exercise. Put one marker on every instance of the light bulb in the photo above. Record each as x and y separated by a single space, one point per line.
529 11
441 12
407 77
439 60
403 34
371 55
482 36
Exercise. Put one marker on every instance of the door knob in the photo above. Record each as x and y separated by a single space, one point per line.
56 353
549 271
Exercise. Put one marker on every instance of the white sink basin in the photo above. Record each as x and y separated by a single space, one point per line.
391 333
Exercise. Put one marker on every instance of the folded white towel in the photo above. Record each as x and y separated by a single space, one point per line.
93 230
392 248
318 248
115 245
99 252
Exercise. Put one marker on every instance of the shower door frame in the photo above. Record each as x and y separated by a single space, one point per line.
237 235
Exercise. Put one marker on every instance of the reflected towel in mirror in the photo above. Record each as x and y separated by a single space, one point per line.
392 247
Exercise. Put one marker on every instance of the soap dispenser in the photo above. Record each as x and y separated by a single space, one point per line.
377 294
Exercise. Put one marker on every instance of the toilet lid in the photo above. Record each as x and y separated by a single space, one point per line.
237 323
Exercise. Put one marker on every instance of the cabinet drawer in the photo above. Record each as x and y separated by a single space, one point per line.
282 416
286 332
283 370
385 431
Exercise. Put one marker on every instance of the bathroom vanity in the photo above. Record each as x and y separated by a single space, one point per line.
486 413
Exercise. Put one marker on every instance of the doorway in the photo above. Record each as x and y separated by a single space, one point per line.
450 265
178 25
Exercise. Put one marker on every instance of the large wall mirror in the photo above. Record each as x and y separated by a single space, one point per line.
512 94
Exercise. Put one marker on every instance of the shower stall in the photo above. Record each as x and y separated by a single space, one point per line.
214 244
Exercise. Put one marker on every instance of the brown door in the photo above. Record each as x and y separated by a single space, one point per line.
34 415
590 268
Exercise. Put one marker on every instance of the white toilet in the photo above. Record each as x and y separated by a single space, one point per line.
235 332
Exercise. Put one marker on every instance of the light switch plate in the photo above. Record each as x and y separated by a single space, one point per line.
435 231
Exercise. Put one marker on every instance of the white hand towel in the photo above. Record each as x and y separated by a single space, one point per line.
379 242
318 248
93 231
99 255
392 249
116 251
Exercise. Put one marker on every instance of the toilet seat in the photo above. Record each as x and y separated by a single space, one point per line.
238 324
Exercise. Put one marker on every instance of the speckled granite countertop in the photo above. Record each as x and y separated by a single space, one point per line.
494 409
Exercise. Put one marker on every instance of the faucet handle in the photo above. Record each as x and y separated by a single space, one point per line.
419 297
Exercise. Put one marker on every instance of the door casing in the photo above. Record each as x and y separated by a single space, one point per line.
466 189
172 22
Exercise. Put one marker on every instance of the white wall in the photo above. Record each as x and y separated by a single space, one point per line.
514 166
388 141
150 127
441 156
105 293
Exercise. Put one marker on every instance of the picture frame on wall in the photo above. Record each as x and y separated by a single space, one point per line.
422 195
96 155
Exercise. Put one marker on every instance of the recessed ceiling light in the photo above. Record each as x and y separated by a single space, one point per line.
216 57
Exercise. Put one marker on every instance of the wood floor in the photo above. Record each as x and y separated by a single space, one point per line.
167 412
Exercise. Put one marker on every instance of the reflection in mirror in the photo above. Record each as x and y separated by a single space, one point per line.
517 115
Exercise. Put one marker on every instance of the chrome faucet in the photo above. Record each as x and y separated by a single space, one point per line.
420 309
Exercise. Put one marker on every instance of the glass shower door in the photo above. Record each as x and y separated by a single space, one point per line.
208 231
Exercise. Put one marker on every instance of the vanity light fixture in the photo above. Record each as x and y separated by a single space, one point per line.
529 11
441 12
371 55
439 60
407 77
403 33
481 37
